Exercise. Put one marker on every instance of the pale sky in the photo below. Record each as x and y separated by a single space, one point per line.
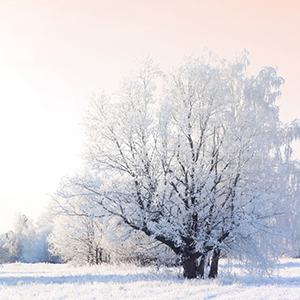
55 53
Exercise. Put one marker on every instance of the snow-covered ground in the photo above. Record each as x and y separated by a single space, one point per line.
47 281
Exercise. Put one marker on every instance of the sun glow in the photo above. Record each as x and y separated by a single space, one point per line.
53 54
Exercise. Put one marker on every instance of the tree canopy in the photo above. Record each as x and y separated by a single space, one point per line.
196 158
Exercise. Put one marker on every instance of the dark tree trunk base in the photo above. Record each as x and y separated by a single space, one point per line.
200 267
189 267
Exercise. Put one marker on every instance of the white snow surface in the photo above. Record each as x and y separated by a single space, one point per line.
48 281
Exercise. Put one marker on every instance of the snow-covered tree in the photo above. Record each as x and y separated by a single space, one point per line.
79 236
26 242
26 231
11 247
76 235
44 227
290 220
198 166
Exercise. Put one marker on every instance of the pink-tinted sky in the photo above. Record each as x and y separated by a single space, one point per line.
54 53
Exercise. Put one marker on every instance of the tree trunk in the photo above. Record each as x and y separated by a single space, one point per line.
97 256
189 267
200 267
213 272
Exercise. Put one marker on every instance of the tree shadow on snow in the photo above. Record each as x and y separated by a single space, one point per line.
228 278
84 279
289 265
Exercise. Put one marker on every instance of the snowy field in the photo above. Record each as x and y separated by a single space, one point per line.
47 281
